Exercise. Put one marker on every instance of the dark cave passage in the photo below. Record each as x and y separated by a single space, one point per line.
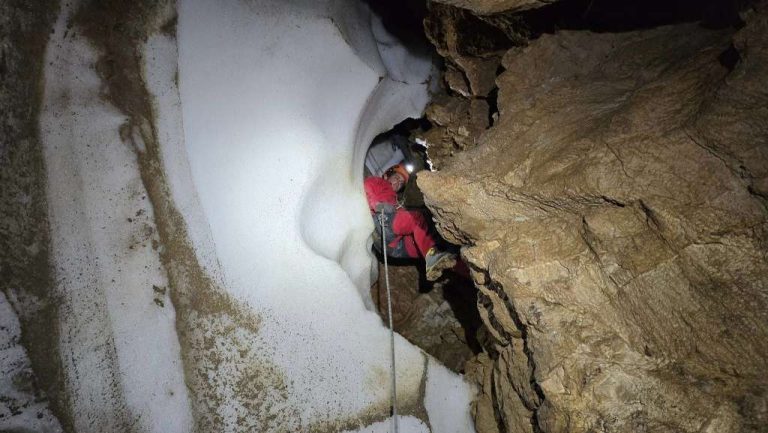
440 317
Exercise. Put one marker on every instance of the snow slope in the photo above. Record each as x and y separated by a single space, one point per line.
120 351
262 146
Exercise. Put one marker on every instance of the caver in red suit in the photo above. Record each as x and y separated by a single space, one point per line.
407 231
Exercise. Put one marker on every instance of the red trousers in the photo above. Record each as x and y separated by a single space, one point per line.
412 227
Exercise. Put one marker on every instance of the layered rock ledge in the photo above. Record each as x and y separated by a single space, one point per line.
615 221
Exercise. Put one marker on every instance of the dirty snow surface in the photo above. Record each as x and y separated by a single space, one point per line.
278 110
122 364
20 407
263 136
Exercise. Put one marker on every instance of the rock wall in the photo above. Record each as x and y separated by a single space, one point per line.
615 221
439 317
487 7
25 279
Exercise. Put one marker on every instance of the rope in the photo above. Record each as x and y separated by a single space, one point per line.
391 328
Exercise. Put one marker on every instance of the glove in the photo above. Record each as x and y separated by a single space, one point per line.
386 207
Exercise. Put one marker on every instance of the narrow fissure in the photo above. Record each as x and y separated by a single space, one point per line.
438 316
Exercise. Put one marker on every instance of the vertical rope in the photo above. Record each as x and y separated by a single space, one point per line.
391 328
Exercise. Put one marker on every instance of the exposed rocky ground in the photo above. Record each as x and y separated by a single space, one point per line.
615 220
439 317
24 276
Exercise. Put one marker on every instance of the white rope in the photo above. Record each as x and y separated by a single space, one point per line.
391 328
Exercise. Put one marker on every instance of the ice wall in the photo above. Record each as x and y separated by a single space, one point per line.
280 100
117 338
261 135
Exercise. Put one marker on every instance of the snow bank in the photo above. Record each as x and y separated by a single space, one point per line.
272 96
120 351
278 112
445 394
405 424
262 145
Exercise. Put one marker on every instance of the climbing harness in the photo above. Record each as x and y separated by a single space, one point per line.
382 221
393 249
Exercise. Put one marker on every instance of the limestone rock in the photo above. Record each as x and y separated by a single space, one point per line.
487 7
440 318
615 221
457 123
470 44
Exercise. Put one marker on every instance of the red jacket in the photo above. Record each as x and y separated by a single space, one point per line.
378 190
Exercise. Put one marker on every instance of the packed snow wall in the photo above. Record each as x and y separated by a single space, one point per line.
208 233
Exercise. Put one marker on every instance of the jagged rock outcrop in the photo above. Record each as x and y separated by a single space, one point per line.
471 46
487 7
472 49
615 221
457 122
438 317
